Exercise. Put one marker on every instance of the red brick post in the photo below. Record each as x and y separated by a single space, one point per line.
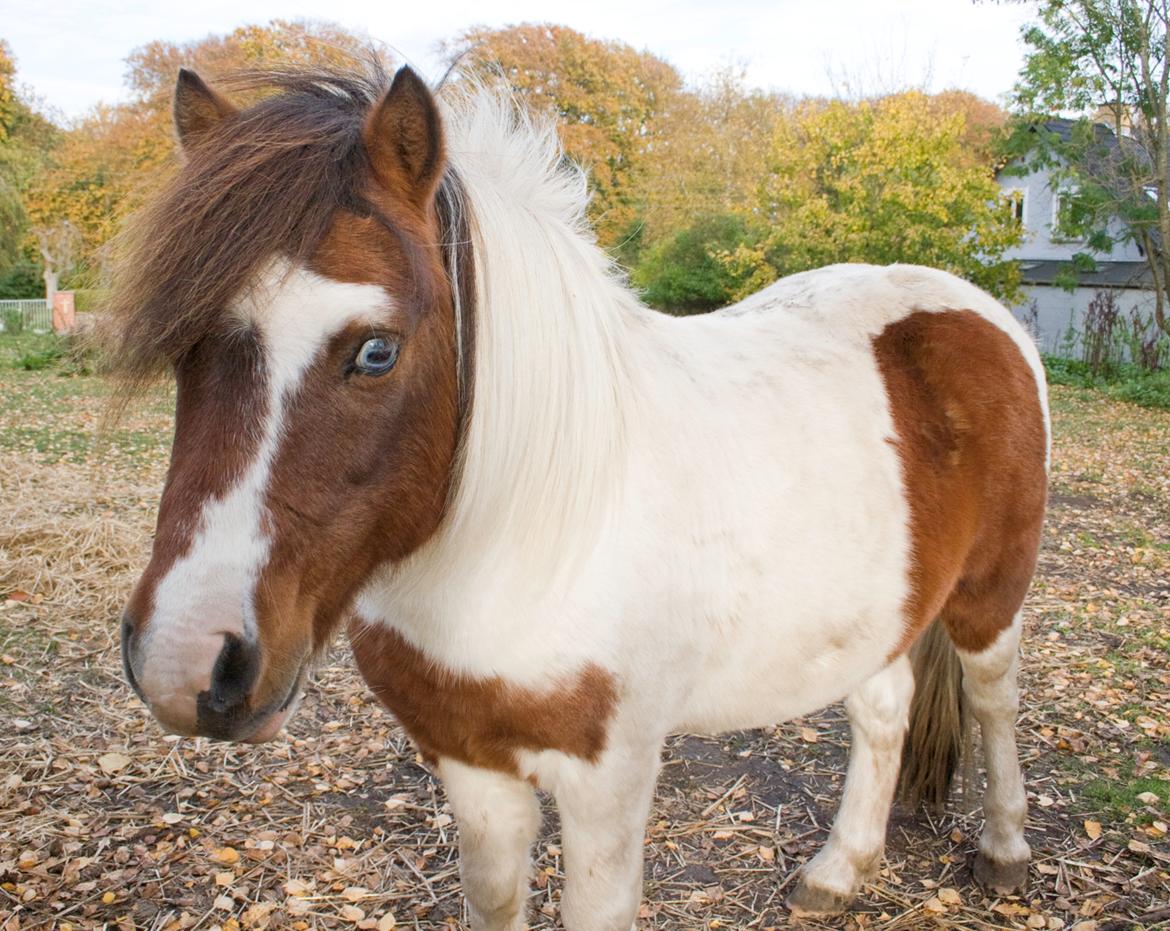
64 316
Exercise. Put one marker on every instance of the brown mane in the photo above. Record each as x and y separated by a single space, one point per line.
266 182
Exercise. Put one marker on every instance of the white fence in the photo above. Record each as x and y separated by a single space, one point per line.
24 316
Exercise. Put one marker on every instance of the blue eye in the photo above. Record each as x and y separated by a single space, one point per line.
376 357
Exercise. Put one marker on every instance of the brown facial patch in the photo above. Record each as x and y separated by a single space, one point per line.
481 722
971 437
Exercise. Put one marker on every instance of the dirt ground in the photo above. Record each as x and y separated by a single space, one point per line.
104 822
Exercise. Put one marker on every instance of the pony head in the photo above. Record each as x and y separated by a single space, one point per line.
294 277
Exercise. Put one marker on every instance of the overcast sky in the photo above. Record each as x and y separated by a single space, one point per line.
71 53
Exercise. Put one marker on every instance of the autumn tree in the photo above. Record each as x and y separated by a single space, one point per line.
1105 60
116 155
709 153
699 180
26 138
607 97
886 180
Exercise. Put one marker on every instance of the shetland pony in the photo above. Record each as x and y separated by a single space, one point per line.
413 396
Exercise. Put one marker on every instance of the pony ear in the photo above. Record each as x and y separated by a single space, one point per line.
197 108
404 139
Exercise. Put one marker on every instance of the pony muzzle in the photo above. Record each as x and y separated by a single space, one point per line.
208 686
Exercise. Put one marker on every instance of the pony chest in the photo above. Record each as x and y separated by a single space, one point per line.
482 721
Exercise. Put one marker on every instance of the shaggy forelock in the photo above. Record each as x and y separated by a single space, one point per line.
265 182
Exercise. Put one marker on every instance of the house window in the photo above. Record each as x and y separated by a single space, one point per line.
1064 219
1014 203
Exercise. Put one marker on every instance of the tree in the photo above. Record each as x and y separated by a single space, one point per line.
1110 60
607 98
886 180
58 246
26 138
709 155
114 157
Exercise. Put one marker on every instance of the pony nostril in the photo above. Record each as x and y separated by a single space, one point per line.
235 672
128 654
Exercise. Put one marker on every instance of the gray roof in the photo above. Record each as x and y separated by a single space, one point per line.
1107 275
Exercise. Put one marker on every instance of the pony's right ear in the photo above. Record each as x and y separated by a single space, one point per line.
198 109
403 136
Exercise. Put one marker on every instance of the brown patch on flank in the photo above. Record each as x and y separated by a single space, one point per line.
481 722
971 437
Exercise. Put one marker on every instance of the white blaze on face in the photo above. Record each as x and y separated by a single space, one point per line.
209 591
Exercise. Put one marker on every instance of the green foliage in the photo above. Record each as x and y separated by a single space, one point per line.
40 352
13 321
684 274
88 300
25 140
1125 381
21 282
36 360
1109 61
1119 798
887 180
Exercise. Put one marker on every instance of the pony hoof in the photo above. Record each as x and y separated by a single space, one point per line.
1001 878
814 900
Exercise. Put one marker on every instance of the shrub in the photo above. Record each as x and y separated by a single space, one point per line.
1124 381
21 282
684 274
87 300
13 321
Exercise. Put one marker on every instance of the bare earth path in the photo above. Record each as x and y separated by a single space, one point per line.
106 823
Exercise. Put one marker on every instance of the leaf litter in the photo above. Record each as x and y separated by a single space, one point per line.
106 823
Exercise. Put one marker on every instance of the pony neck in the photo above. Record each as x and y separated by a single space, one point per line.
542 454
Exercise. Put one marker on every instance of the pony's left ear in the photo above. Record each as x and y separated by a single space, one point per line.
404 139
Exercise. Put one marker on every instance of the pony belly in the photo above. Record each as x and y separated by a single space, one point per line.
784 674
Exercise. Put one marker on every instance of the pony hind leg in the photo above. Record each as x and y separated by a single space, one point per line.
992 696
878 713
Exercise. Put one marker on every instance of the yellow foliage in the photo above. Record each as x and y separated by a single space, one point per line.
116 156
886 180
607 96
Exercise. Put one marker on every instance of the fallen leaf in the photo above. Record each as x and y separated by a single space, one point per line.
113 762
227 856
949 896
1093 829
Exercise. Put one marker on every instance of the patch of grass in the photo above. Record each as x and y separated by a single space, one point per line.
16 346
39 352
1119 799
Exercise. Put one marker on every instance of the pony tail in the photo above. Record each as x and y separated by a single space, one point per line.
937 737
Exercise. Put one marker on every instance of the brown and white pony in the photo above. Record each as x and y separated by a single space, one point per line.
413 394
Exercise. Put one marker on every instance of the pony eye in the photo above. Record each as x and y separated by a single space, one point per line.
376 357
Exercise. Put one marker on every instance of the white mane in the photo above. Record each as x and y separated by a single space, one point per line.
545 434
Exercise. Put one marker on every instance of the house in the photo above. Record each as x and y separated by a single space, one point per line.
1051 311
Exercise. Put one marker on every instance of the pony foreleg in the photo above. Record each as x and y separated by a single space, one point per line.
989 686
878 714
603 819
498 817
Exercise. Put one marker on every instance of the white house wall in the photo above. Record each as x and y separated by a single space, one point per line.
1038 243
1056 309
